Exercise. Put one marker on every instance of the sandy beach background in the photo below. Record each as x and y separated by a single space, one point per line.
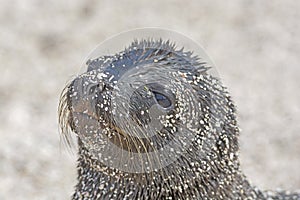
255 45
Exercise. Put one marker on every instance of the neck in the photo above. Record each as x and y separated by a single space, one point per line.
99 182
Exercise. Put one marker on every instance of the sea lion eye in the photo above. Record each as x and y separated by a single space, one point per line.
162 100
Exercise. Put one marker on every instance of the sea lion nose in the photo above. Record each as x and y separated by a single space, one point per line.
84 92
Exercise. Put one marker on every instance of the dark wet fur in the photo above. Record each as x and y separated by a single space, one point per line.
217 176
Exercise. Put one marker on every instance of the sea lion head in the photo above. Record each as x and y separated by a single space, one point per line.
152 113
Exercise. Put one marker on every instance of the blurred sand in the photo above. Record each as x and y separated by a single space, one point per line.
255 45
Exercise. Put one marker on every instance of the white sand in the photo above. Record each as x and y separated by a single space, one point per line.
255 45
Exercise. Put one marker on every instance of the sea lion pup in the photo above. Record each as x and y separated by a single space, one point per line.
152 123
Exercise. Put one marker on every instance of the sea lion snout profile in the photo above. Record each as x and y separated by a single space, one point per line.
153 123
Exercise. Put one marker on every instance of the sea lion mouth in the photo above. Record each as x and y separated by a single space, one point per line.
126 141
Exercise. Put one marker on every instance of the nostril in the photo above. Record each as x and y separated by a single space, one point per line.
93 89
